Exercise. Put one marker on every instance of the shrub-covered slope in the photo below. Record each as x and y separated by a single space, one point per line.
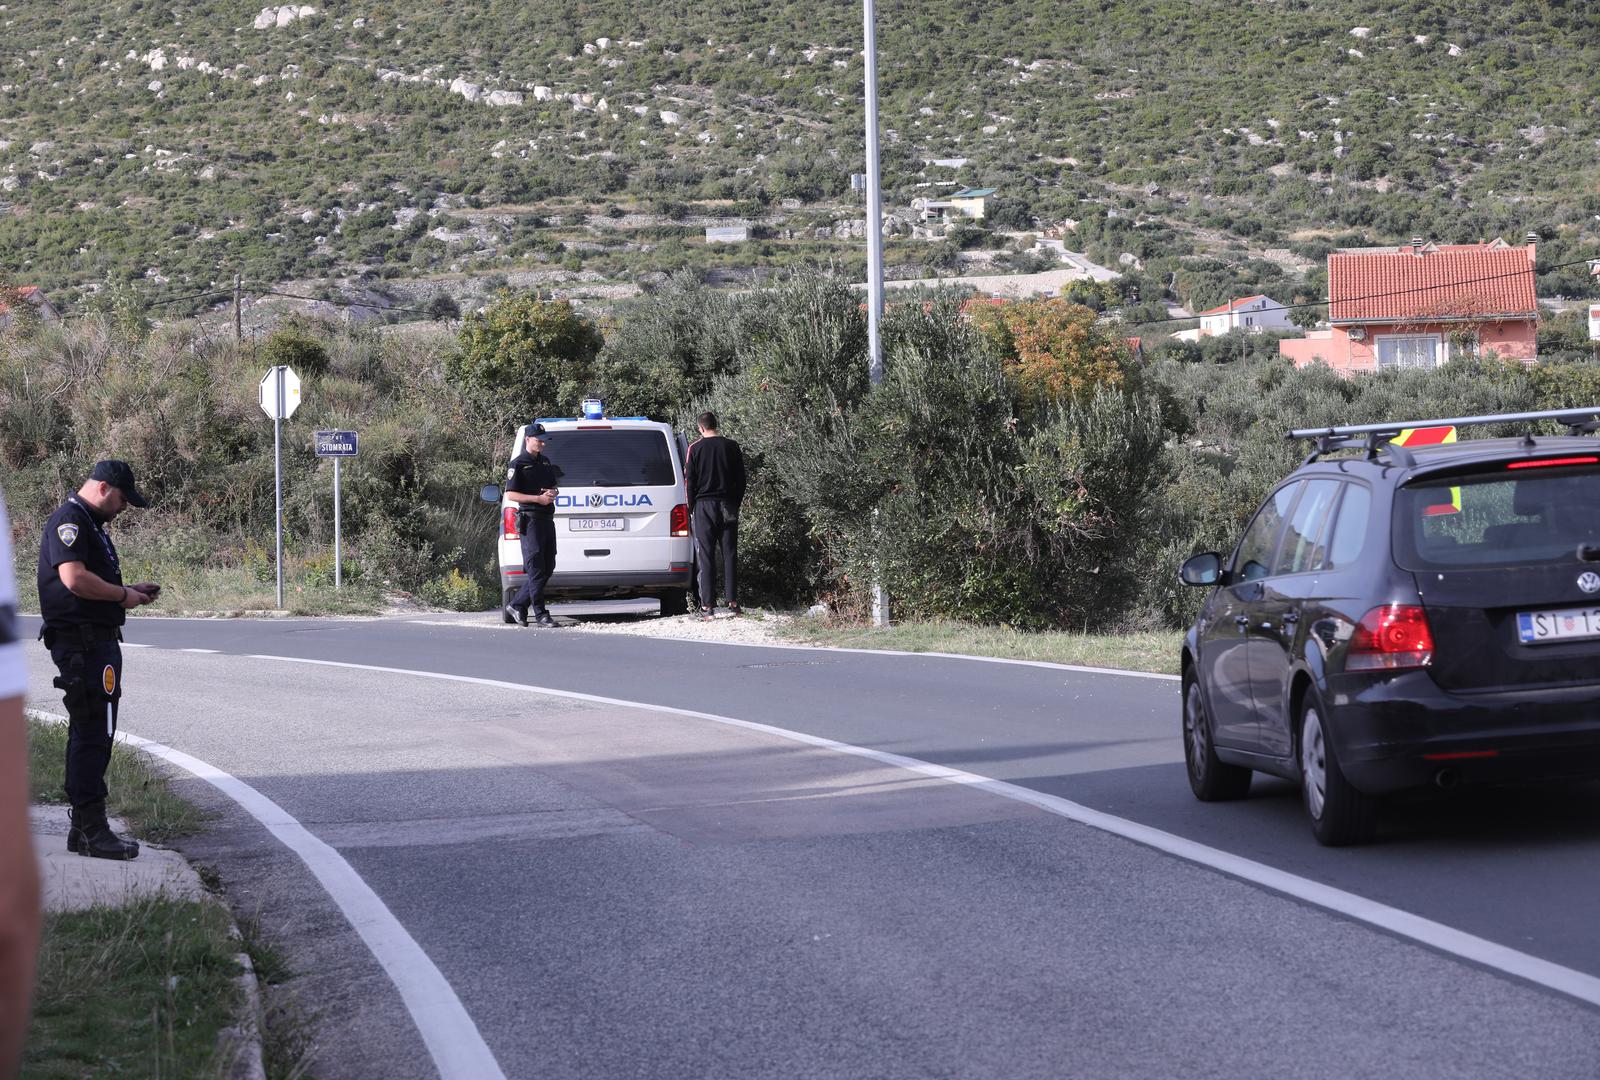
178 143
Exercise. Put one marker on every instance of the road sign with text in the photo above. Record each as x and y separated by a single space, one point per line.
336 444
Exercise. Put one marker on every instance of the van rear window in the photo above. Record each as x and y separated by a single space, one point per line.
610 458
1504 518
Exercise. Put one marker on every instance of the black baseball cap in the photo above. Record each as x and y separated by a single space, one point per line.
535 431
120 476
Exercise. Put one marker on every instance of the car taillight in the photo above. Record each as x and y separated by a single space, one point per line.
680 520
1391 638
508 523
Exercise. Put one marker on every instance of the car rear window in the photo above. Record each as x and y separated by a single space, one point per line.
1509 517
611 458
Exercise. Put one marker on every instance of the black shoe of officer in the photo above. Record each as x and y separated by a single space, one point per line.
74 833
518 615
545 620
96 839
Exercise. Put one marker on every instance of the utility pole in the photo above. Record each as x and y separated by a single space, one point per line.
880 595
238 325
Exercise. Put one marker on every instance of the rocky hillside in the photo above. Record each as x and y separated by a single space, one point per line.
176 144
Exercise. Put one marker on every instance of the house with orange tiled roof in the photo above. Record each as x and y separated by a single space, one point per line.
1422 304
41 304
1252 314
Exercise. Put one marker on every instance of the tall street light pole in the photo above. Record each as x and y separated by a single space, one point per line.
880 597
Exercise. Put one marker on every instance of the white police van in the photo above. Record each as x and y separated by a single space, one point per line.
622 517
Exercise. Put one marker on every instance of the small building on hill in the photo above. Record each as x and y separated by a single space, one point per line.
41 305
969 203
1422 304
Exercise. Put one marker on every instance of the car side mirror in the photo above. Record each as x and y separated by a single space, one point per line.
1202 569
489 493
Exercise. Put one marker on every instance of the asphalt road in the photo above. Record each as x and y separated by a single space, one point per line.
617 891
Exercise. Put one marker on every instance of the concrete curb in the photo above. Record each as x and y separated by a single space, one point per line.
240 1044
80 882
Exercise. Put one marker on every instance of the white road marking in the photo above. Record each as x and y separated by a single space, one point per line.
198 650
452 1038
1470 947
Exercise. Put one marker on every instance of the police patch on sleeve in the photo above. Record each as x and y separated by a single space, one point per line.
511 474
68 533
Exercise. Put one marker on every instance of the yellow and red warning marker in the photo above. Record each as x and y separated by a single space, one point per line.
1432 436
1425 436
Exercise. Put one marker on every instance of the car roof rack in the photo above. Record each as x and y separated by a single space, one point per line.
1374 438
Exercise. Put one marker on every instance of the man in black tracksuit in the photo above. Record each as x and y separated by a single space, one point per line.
716 488
531 484
84 603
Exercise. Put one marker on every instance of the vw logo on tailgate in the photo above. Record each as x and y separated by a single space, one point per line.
1589 581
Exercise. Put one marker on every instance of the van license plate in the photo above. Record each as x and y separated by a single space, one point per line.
594 524
1568 624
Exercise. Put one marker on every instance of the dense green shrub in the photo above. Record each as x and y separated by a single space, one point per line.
295 345
524 357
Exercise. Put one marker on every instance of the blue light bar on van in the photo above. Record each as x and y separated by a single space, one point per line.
568 419
593 409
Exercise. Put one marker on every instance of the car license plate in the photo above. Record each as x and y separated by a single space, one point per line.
1568 624
594 524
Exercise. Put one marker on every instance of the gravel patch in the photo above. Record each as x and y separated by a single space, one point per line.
751 628
754 627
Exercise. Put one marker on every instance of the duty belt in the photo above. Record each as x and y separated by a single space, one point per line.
81 635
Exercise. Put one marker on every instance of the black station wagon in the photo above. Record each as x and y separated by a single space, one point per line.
1404 617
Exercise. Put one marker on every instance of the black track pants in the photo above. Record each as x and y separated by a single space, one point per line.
716 525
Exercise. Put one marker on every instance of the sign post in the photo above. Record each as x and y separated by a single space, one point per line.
337 445
279 395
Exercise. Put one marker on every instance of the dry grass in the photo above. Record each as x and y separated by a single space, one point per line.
1151 651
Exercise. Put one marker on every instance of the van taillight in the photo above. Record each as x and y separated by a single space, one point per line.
680 520
1391 638
508 523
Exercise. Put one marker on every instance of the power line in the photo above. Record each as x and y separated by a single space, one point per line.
154 303
268 291
265 289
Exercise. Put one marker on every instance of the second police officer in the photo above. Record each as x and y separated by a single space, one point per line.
531 483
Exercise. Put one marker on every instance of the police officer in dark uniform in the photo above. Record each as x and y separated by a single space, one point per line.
84 604
531 484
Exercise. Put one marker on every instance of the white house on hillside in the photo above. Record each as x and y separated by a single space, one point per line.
1252 314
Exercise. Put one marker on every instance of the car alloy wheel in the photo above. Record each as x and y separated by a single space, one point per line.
1313 765
1196 737
1340 813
